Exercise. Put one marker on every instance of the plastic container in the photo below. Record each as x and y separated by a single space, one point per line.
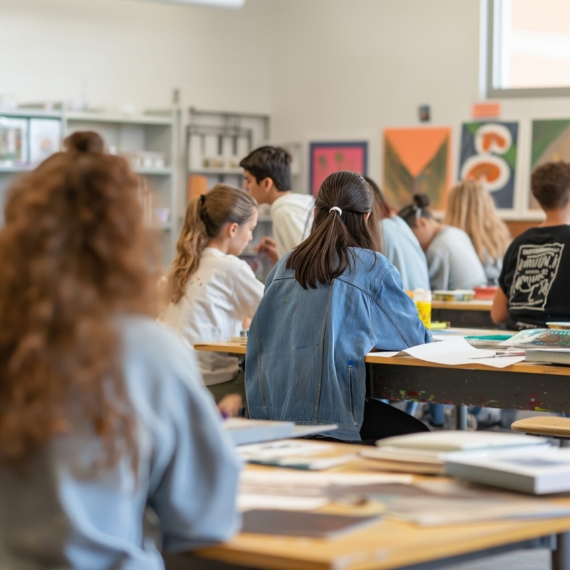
422 299
485 293
456 295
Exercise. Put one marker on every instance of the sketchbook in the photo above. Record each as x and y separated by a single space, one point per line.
244 431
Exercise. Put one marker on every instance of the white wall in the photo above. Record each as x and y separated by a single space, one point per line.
135 52
350 68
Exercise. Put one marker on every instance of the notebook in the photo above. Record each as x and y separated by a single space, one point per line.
244 431
537 471
306 524
550 355
540 338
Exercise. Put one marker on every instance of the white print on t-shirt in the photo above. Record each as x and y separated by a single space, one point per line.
537 266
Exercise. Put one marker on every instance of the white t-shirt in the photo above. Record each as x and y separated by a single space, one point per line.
292 216
220 295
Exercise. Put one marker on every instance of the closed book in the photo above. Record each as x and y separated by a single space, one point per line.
538 471
447 441
550 355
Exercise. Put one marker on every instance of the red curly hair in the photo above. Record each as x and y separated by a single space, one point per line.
73 254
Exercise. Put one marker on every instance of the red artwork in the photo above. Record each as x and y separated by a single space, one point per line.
327 158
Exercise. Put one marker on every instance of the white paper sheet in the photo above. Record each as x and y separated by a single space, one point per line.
282 448
454 352
247 502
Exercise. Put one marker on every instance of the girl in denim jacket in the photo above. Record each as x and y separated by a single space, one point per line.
326 305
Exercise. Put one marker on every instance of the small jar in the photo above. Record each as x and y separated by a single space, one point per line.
422 299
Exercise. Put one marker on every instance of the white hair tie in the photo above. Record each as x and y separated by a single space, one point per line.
337 209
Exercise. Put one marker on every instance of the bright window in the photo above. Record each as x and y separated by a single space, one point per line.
529 47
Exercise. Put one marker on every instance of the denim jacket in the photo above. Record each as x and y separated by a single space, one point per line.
306 348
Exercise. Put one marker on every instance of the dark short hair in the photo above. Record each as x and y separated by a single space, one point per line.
419 209
550 185
270 162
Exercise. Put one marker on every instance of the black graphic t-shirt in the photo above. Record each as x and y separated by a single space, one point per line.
536 277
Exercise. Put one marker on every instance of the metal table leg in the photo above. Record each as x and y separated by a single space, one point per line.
561 556
461 417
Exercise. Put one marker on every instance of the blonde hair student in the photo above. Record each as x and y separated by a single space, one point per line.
211 291
471 209
103 411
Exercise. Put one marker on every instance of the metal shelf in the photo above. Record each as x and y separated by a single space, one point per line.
91 117
166 171
15 169
218 171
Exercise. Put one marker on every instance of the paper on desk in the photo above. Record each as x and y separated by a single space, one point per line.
247 502
282 448
454 352
286 482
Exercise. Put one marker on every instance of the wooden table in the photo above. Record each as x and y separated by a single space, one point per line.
476 314
389 543
524 386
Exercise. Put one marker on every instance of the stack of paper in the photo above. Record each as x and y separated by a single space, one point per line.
292 490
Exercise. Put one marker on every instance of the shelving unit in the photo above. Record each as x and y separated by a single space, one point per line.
216 141
152 131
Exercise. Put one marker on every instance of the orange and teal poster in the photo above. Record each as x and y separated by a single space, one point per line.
417 161
489 154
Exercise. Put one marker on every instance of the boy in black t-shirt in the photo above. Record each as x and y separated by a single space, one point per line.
534 286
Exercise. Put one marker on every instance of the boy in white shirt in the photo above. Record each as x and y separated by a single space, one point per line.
267 177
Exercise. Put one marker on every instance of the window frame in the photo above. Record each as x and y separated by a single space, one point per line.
491 22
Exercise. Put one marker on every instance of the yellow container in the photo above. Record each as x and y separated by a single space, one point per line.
422 299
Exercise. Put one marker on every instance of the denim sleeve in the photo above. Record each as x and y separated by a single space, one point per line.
196 494
394 317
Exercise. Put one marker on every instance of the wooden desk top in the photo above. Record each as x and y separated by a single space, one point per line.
387 544
523 367
463 305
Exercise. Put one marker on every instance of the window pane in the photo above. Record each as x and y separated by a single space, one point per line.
534 43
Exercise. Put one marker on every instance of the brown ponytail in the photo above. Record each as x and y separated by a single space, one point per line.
326 253
205 217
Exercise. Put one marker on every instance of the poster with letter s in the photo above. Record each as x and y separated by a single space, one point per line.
489 154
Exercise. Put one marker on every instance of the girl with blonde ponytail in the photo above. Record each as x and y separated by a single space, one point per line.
326 305
211 292
471 209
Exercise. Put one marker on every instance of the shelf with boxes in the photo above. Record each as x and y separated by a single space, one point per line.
149 141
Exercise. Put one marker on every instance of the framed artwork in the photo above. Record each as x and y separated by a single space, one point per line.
329 157
45 139
13 141
488 153
417 161
550 143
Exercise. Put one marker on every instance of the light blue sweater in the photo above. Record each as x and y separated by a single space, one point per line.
403 249
187 474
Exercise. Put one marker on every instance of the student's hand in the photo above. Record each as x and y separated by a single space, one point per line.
230 406
268 246
245 324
